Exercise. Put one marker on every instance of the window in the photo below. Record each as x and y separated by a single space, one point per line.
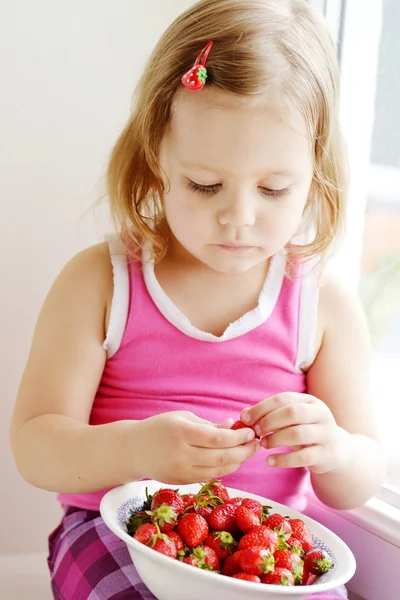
380 274
369 261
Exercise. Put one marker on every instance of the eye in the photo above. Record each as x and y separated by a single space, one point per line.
275 193
203 189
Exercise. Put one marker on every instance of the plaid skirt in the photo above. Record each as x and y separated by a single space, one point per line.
88 562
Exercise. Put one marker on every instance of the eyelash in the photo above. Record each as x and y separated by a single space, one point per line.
213 189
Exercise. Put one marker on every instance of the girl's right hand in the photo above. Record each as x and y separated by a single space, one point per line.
180 448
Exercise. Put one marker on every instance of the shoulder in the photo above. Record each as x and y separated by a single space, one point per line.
87 279
339 310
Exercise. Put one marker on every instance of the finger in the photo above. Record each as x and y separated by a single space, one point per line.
306 457
208 436
287 416
210 473
298 435
263 408
207 457
227 424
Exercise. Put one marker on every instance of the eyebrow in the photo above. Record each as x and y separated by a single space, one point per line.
209 169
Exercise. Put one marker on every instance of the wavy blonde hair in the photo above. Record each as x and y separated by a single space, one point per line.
259 46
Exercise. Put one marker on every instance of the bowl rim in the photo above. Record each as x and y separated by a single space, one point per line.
108 511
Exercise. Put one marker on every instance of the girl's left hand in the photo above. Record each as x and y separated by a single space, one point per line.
303 423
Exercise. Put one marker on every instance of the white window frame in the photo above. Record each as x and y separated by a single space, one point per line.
373 530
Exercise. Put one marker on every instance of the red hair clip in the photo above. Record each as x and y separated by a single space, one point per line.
195 78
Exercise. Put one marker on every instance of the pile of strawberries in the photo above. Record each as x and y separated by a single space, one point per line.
237 537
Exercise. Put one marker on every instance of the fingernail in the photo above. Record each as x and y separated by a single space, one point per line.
271 461
245 417
250 435
257 429
258 446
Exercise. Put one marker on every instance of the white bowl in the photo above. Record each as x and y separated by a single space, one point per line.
171 579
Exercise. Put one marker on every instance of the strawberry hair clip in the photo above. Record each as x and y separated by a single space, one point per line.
195 78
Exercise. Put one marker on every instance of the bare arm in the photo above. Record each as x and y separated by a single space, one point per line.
340 378
54 446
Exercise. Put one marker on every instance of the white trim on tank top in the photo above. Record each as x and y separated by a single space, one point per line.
252 319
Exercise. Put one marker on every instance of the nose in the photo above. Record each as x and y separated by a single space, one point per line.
238 212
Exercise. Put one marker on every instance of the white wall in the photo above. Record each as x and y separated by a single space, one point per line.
68 71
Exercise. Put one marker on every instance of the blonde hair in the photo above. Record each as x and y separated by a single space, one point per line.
258 45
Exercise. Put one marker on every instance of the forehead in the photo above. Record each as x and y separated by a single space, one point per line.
244 135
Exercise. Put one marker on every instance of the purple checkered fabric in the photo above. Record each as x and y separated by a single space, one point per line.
88 562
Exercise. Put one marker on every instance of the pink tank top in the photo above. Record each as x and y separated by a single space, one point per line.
158 362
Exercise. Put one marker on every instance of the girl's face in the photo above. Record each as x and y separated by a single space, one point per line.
239 174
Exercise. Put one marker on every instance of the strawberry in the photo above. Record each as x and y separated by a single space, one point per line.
222 542
151 536
277 522
193 529
247 577
231 564
279 577
204 511
195 78
307 578
166 507
300 533
256 561
176 538
215 488
317 561
285 559
260 536
164 545
188 499
145 532
222 518
240 425
203 558
236 501
246 519
254 505
136 520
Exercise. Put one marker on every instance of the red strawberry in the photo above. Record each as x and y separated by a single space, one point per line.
240 425
166 507
236 501
222 542
170 497
204 511
307 578
215 488
145 532
193 529
164 545
277 523
222 518
136 520
231 564
279 577
203 558
254 505
247 577
246 519
300 533
195 78
285 559
256 561
317 561
260 536
189 499
176 538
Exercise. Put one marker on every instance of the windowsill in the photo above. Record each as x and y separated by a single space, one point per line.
372 532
